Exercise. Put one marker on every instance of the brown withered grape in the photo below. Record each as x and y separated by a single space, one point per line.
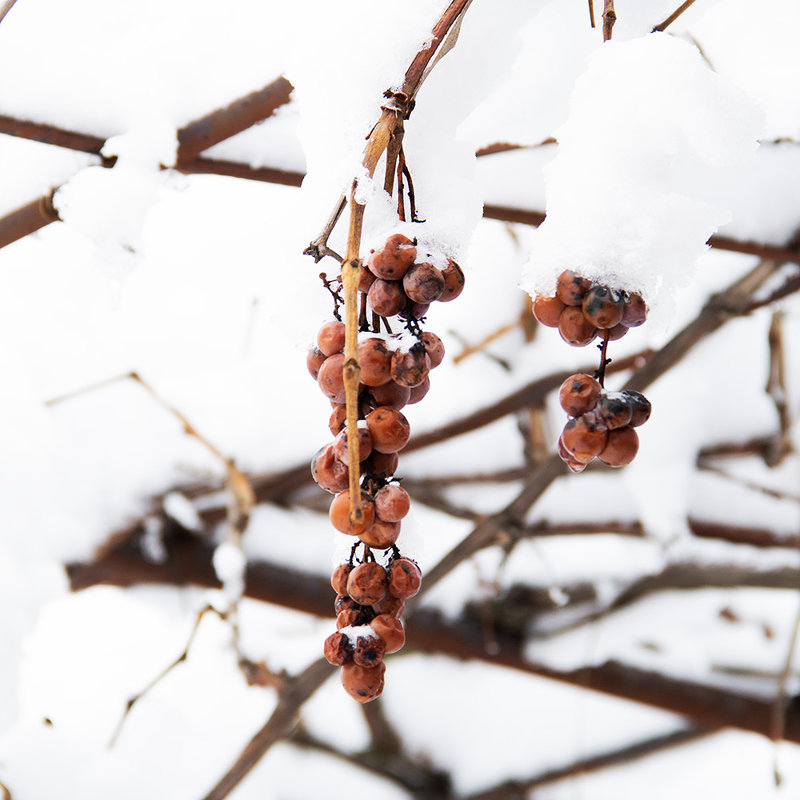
328 472
392 502
339 513
579 393
382 465
453 281
434 347
330 337
369 651
405 578
388 394
339 578
615 410
375 360
584 437
635 312
419 391
331 379
548 310
363 683
340 446
641 407
367 583
338 649
314 361
411 368
338 418
621 448
423 283
568 459
393 606
603 307
394 259
389 428
386 298
574 328
391 630
347 617
571 288
381 534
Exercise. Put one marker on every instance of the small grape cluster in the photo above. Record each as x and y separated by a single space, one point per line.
369 601
395 284
601 423
392 375
582 310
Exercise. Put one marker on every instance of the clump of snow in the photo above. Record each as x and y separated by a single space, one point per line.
229 565
649 125
179 507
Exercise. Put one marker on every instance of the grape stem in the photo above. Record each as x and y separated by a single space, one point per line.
604 362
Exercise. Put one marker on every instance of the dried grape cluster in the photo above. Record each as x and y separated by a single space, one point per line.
601 423
369 601
393 374
582 310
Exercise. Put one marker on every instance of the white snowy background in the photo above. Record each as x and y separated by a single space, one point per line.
198 283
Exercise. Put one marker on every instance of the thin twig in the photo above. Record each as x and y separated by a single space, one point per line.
7 6
609 18
778 722
294 693
672 17
591 14
776 389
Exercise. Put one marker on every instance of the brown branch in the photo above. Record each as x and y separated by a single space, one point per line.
296 691
28 219
189 560
7 6
234 118
609 18
738 534
517 790
672 17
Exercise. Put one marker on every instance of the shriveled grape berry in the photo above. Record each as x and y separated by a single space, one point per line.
367 583
375 360
341 447
621 448
391 630
392 502
405 578
579 393
603 307
571 288
338 418
388 394
394 259
453 282
641 407
331 379
339 513
386 298
389 605
338 649
328 472
389 428
635 312
369 651
330 337
434 347
419 391
423 283
363 683
339 578
411 368
574 328
381 465
568 459
584 437
548 310
314 360
347 618
381 534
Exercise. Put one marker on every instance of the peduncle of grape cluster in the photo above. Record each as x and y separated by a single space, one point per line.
602 424
371 589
